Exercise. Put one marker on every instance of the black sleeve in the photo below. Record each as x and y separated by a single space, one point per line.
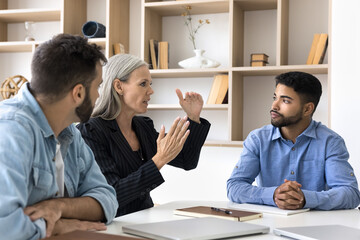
188 158
128 188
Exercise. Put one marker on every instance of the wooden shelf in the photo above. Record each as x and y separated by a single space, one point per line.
174 73
211 143
275 70
253 5
23 15
98 41
20 46
178 107
173 8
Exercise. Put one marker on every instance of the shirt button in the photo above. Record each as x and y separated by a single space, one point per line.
236 166
293 149
352 174
53 159
292 172
57 193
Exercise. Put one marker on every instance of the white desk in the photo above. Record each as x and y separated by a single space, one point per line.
164 212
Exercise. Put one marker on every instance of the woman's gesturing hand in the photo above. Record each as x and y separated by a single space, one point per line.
192 104
169 146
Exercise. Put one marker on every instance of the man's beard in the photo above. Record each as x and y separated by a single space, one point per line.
286 121
85 109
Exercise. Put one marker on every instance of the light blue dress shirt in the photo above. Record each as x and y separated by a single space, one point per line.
318 160
27 167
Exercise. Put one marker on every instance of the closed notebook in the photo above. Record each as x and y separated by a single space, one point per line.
204 211
90 235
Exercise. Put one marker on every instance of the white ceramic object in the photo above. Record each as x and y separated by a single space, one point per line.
199 61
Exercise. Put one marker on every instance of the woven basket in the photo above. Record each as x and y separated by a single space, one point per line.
11 86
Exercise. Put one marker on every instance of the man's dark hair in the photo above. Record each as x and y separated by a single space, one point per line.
306 85
61 63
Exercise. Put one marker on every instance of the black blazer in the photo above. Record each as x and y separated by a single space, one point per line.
124 169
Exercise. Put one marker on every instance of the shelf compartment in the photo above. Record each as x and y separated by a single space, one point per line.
175 73
23 15
176 8
20 46
178 107
275 70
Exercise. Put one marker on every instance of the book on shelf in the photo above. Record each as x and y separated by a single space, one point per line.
163 57
225 213
119 48
321 49
90 235
153 53
314 44
257 63
259 57
218 89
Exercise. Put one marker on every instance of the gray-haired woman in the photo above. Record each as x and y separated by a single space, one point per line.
128 149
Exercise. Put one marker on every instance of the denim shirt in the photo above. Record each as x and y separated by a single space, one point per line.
27 167
318 160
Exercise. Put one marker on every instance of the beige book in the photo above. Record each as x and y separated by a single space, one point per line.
118 48
218 83
321 49
163 49
313 48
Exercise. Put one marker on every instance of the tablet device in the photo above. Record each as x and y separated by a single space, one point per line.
194 229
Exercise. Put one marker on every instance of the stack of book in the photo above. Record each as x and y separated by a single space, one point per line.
159 54
259 59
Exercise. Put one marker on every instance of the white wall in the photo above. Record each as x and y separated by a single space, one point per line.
208 181
345 80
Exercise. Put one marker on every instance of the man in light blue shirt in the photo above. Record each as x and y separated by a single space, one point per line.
297 162
49 181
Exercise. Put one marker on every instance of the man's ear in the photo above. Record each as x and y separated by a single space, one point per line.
309 108
118 86
78 94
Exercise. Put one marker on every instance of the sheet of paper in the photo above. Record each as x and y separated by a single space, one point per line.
265 208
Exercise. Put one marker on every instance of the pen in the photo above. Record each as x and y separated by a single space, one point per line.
221 210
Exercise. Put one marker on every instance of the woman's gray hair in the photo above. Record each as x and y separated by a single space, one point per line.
120 67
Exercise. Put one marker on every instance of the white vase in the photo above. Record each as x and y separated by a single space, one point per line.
199 61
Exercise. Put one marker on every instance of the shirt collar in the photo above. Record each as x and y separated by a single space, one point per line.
309 131
39 116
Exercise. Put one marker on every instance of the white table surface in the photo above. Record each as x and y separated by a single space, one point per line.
164 212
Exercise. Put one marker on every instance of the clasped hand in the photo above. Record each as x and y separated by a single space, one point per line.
289 195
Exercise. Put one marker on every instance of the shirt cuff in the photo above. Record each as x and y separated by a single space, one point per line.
310 199
268 196
40 223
